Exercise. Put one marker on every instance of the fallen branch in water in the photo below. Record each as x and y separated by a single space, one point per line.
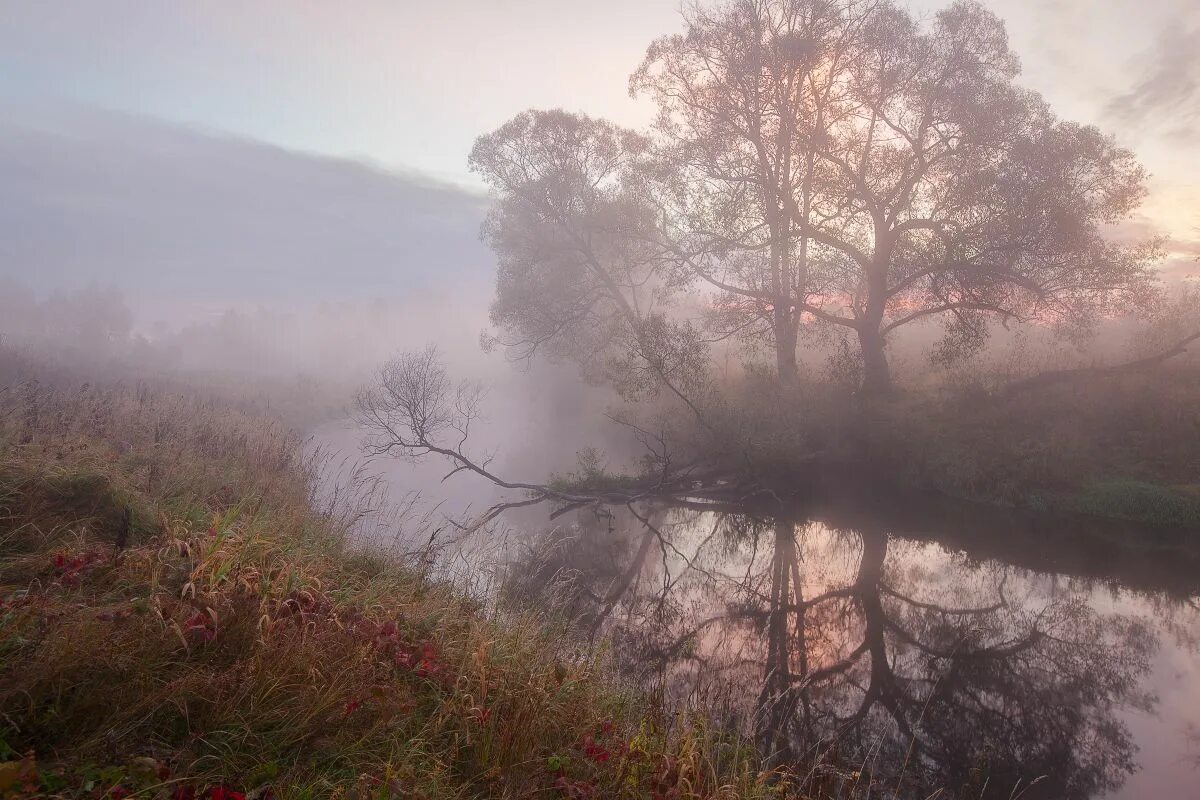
413 410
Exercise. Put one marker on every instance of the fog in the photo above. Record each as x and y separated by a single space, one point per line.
904 310
188 223
139 246
132 247
134 244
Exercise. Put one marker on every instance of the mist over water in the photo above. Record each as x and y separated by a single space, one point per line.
134 249
137 248
1058 651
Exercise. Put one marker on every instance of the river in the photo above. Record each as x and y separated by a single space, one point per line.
899 643
945 646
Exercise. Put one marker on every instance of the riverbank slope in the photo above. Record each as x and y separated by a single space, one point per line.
177 621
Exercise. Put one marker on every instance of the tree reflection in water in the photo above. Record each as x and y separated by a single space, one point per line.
868 661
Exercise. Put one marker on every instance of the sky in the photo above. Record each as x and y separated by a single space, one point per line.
405 87
189 224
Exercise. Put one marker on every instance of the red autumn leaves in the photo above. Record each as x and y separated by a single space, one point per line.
69 569
598 748
420 658
201 626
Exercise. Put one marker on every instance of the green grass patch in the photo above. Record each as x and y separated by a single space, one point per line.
1138 500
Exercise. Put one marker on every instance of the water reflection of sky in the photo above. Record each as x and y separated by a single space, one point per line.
1016 652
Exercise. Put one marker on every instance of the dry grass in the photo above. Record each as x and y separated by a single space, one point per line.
176 621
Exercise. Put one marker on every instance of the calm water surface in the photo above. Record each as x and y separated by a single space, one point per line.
920 645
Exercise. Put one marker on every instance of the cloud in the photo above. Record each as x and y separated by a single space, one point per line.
1166 96
162 211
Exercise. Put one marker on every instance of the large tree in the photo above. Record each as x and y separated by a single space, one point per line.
828 161
739 96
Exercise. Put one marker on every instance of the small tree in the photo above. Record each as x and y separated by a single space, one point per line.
580 273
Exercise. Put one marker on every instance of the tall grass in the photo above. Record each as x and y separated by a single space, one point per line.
184 615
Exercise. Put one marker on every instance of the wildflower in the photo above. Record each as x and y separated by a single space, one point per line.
352 706
118 793
482 715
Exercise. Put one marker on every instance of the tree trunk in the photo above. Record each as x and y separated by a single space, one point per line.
785 348
777 699
877 378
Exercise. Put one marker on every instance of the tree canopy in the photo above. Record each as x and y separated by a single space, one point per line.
814 165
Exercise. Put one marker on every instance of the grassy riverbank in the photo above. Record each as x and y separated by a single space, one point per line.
177 622
1124 447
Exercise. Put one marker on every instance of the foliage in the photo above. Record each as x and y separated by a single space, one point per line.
592 474
960 433
567 282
